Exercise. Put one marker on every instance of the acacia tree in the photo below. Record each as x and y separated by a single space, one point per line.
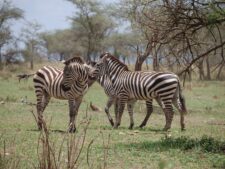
185 31
91 25
30 36
61 43
7 13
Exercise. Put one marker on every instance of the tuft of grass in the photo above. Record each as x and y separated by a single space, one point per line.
205 144
218 162
7 158
10 98
5 75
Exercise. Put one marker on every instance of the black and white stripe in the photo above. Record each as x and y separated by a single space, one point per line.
108 87
128 85
70 84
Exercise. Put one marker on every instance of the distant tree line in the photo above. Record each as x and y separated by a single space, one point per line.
182 36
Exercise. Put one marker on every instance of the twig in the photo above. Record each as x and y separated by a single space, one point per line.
88 150
82 145
35 118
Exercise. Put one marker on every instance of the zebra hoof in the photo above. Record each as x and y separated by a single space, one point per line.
72 130
115 127
166 128
111 122
39 126
131 127
141 126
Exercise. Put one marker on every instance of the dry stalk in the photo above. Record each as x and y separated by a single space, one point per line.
106 149
88 151
35 118
75 152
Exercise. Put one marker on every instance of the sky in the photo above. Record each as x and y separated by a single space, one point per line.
50 14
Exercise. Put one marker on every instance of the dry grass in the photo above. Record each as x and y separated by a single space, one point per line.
22 146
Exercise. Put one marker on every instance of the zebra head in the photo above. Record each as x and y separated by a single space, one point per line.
100 67
89 68
68 78
73 71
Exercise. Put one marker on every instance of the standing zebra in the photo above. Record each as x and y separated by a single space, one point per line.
70 84
162 86
106 83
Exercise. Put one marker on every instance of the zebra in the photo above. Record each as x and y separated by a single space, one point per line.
162 86
106 83
70 84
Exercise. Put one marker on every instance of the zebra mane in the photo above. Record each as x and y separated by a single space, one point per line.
74 60
113 58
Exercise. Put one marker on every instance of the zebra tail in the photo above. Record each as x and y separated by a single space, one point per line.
182 101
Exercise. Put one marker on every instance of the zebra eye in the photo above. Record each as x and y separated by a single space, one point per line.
98 65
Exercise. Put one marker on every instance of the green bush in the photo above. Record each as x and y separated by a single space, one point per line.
206 144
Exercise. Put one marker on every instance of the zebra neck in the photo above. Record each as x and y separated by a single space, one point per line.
113 75
103 79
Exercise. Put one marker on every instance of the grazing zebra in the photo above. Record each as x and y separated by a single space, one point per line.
106 83
162 86
70 84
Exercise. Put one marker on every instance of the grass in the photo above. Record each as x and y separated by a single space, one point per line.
200 146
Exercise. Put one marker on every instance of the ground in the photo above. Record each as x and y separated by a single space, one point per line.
202 145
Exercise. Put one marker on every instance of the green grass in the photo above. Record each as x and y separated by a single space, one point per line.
200 146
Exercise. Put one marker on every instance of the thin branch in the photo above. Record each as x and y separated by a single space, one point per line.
201 56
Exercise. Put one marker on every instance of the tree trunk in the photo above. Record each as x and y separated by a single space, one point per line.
1 65
218 76
32 57
61 55
201 71
155 63
146 62
208 68
170 64
124 59
89 50
139 62
189 75
142 57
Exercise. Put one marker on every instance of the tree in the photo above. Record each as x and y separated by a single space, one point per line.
91 25
31 38
7 14
185 31
61 43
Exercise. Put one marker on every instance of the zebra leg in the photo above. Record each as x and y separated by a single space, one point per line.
177 103
148 114
121 105
130 108
73 107
116 108
107 107
42 101
168 110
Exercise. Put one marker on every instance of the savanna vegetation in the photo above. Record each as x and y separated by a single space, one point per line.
185 37
202 145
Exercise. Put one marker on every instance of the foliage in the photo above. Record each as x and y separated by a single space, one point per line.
91 25
205 143
7 13
60 42
179 33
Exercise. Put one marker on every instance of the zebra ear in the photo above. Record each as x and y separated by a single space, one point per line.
107 59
